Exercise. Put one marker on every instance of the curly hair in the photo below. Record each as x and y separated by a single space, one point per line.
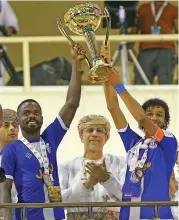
159 103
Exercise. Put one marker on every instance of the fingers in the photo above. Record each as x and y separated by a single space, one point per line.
70 44
80 52
78 48
89 172
90 166
105 54
95 167
77 51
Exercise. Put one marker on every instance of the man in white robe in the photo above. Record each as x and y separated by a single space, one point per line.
93 177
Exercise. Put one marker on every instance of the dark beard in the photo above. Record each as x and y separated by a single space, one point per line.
31 130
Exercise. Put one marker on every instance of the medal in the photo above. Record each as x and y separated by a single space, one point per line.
133 178
139 172
54 193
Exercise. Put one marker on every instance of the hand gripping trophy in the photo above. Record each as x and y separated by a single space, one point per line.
84 19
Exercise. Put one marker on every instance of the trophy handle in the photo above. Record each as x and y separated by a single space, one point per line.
62 30
108 22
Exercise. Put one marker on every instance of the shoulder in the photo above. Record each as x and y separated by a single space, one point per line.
116 160
172 10
11 147
4 2
172 6
169 138
143 7
5 5
71 164
168 134
55 126
128 131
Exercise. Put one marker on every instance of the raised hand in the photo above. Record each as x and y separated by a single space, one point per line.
114 77
105 53
77 52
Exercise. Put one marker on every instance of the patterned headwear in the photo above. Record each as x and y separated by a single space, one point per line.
9 115
94 120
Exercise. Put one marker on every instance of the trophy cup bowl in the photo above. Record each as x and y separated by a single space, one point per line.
82 16
84 19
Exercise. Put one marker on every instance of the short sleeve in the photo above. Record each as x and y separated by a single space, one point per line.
169 147
54 133
129 137
8 161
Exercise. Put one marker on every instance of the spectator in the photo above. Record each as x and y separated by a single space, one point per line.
93 177
9 133
8 27
157 58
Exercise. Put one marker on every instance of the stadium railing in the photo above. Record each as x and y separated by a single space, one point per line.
26 41
89 205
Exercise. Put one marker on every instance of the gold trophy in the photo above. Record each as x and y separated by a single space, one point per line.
84 19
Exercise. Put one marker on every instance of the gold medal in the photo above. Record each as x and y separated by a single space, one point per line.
54 193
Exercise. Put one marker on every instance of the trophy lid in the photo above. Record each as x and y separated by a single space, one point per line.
81 16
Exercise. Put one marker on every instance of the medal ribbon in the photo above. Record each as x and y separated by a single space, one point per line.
158 15
42 158
133 155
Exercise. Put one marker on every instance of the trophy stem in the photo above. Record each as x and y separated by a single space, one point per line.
91 43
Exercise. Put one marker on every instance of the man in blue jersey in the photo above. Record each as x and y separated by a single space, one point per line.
9 133
31 161
150 159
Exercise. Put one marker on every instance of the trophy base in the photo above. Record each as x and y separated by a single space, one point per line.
99 73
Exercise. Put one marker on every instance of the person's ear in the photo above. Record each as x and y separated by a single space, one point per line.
106 138
81 137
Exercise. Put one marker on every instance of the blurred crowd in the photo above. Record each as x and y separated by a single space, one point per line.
158 59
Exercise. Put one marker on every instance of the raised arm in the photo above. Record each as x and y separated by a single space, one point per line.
6 197
68 111
111 96
133 106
